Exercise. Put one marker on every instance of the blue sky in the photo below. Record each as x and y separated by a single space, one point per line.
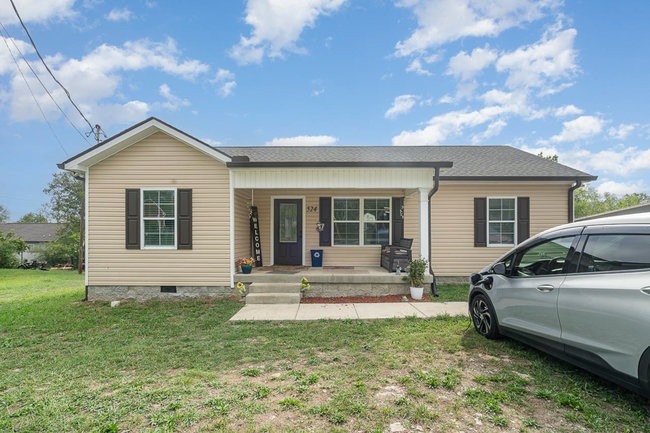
566 78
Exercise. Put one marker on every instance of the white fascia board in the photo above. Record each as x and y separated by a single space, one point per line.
135 135
332 177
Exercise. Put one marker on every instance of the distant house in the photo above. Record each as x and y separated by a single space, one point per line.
34 235
640 208
167 212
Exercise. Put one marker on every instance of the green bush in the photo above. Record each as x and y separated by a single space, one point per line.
10 247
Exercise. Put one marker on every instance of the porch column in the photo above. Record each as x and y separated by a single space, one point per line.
424 224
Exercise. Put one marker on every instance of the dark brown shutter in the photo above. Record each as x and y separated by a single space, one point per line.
325 209
480 222
523 218
397 219
132 211
184 219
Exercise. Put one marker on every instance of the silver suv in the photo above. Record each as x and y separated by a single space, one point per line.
580 291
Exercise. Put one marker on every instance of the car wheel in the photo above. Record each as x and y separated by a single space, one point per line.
483 317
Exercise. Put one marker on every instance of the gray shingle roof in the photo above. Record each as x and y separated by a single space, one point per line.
469 162
33 232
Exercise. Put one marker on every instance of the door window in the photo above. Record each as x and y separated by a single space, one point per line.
547 258
288 223
615 252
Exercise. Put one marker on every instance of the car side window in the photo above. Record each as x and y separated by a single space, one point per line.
615 252
547 258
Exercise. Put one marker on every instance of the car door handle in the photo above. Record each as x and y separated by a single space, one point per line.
646 290
545 288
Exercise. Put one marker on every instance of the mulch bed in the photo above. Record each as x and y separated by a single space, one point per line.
362 299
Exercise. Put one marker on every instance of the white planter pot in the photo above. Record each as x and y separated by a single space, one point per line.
417 292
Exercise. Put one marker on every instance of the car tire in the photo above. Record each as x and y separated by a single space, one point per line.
483 317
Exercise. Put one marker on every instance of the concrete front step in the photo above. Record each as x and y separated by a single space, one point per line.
273 298
274 288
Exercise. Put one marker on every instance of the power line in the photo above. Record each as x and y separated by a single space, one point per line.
33 96
47 67
41 82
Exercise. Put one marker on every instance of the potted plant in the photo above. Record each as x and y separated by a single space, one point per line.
415 277
246 264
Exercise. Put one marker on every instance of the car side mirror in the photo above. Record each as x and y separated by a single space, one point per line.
499 268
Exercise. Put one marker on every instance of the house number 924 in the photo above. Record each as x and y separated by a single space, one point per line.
312 209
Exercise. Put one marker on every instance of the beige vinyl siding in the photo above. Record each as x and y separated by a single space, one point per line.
333 256
412 220
159 161
452 220
242 223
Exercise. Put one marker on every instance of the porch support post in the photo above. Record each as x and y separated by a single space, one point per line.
424 224
231 252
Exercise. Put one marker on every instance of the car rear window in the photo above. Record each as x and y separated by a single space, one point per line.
615 252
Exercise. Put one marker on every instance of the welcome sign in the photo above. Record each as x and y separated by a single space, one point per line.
256 242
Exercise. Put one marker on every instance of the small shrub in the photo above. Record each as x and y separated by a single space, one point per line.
250 372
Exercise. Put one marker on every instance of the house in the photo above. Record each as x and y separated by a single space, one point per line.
639 208
35 236
166 212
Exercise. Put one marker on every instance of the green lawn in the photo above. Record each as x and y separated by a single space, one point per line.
67 365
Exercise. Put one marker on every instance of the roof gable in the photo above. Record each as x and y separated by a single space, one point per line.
132 135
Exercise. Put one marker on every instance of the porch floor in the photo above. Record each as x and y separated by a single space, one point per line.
326 274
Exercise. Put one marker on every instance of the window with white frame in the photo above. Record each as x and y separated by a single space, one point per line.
361 221
159 218
501 221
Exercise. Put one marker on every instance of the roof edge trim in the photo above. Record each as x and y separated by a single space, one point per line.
132 135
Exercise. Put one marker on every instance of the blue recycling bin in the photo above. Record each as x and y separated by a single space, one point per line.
316 258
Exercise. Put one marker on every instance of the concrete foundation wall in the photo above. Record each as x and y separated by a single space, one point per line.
332 290
144 293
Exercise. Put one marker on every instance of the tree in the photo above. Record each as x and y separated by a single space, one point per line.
4 214
10 247
589 202
553 158
32 217
66 201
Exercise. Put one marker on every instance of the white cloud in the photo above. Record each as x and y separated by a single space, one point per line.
579 129
95 78
546 150
620 188
416 64
567 110
303 140
141 54
6 62
401 105
543 63
416 67
36 10
621 131
277 26
492 130
441 127
123 14
225 79
442 21
466 66
211 142
172 102
618 160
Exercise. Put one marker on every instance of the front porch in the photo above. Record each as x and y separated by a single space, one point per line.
329 281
